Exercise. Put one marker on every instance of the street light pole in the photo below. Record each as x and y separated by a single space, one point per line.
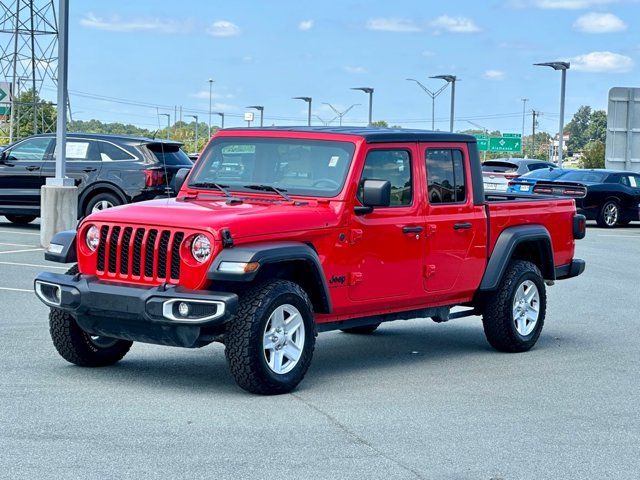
452 80
339 114
195 117
260 108
168 121
563 67
308 100
369 91
210 103
433 96
524 109
222 117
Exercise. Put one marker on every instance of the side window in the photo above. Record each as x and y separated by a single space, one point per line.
634 180
31 150
392 165
445 176
109 152
537 166
80 150
624 180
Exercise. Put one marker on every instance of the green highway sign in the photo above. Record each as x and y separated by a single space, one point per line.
483 144
5 89
505 144
4 111
511 135
480 136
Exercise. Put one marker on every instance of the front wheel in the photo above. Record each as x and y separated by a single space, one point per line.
270 342
21 219
514 314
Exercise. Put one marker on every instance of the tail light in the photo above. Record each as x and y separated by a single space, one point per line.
543 190
511 176
579 226
573 192
154 178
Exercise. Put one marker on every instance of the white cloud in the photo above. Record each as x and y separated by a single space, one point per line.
352 69
561 4
116 23
223 28
606 62
204 94
454 24
428 53
401 25
494 75
305 25
599 23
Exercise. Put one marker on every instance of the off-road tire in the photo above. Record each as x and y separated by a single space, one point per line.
113 200
601 218
244 338
363 330
76 346
497 319
21 219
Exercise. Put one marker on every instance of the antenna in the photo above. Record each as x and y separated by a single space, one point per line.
28 57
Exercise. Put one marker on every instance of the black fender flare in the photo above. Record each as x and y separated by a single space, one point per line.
66 254
505 247
270 253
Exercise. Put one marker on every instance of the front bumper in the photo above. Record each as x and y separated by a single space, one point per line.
141 314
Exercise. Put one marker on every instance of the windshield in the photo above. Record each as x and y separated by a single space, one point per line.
297 167
545 174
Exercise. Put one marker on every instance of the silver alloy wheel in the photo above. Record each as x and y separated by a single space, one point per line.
283 339
102 205
526 307
611 214
103 342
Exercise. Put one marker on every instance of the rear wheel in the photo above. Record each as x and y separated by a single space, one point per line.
101 201
514 314
270 342
79 347
21 219
609 214
363 330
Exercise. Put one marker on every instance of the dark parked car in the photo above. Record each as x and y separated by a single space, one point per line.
612 197
497 173
109 170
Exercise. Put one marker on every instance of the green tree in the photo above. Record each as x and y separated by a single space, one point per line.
23 110
380 123
577 129
593 155
597 129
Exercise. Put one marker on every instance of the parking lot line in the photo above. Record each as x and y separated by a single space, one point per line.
18 232
16 264
20 251
17 244
17 289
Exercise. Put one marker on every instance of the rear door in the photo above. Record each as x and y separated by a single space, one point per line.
455 227
20 173
387 245
82 161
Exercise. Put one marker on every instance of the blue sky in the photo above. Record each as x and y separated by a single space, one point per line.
265 52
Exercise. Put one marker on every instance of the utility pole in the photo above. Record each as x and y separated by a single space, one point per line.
524 107
168 121
433 96
308 100
210 100
534 123
339 114
452 79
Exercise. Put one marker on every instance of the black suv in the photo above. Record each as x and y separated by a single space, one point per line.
109 170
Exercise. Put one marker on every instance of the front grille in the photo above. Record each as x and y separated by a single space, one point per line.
130 253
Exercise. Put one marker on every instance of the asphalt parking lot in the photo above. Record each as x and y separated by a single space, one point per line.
414 400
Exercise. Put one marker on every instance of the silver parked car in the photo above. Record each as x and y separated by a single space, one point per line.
498 173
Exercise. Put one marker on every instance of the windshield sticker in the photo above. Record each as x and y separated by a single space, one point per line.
334 161
633 181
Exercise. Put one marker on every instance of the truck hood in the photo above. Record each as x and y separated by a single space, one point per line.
246 219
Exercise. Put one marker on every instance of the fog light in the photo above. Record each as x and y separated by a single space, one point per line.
183 309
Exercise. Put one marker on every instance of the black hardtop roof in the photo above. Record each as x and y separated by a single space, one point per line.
109 136
375 134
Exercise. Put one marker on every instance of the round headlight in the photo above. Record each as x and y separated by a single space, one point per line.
201 248
92 237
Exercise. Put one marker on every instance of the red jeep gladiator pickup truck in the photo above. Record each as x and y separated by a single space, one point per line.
279 233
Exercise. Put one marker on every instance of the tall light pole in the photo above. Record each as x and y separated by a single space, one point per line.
524 112
168 115
563 67
339 114
369 91
210 103
326 123
308 100
195 117
222 117
433 96
452 80
260 108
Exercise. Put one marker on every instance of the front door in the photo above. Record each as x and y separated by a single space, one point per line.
456 229
387 244
20 174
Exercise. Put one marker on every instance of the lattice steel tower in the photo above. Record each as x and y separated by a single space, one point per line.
28 56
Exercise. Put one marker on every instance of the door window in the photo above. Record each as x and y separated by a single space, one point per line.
109 153
445 176
31 150
391 165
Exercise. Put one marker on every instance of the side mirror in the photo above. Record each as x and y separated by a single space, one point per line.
179 178
375 193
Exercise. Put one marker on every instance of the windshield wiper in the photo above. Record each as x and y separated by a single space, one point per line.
270 188
222 188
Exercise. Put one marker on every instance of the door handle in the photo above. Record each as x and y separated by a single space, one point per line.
89 169
462 226
32 168
415 229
